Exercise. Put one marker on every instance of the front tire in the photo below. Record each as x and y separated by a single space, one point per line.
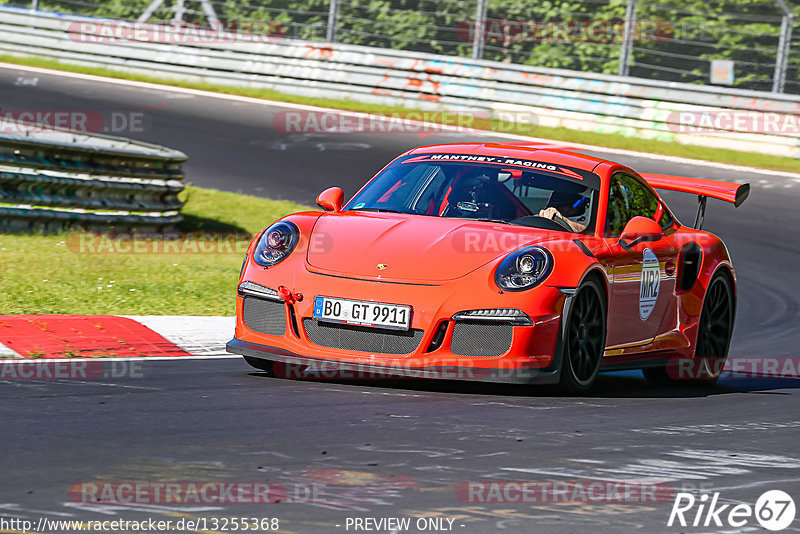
584 340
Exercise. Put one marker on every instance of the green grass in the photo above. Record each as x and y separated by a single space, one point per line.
53 274
559 134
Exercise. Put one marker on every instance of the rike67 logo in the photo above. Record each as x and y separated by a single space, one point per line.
774 510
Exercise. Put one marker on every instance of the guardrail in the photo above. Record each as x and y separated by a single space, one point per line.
56 179
766 123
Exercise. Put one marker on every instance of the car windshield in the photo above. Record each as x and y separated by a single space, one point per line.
505 192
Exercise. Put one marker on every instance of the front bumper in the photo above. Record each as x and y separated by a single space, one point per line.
298 366
292 335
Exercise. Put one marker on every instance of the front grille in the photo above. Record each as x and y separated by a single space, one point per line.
481 339
265 316
362 338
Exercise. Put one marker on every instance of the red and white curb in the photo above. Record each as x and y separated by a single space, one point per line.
197 335
115 336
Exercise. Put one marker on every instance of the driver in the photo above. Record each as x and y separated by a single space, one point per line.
561 205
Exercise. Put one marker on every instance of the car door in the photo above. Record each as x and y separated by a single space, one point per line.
642 300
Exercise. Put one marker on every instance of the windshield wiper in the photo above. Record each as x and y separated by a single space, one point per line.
382 210
500 221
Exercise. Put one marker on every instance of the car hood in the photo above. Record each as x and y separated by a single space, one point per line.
411 247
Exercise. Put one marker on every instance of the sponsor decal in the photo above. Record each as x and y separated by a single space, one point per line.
650 284
491 159
574 174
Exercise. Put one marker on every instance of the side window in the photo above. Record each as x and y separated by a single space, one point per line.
629 198
666 220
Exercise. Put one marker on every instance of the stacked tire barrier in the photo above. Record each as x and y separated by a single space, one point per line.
555 98
54 180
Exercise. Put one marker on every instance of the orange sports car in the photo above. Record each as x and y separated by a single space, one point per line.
495 262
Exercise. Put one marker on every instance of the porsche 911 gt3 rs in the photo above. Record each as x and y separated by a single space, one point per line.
494 262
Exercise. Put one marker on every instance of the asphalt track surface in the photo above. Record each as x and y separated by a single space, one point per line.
392 449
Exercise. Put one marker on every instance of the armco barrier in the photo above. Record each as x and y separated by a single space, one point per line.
55 179
575 100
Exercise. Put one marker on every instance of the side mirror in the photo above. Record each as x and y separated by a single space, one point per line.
331 199
640 229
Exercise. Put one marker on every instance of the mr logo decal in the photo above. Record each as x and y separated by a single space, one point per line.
650 285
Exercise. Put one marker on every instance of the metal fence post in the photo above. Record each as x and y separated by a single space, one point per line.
208 9
34 5
179 10
333 12
627 41
479 29
784 42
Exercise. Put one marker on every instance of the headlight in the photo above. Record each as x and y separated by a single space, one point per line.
276 243
523 269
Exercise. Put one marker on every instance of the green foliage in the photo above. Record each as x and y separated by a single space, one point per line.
57 274
745 31
546 33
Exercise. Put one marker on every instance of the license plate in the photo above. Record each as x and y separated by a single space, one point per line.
358 312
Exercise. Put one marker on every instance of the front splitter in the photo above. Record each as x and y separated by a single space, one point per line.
322 368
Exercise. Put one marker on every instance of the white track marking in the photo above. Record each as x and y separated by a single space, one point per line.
6 352
692 430
692 465
107 384
486 133
197 335
16 507
117 509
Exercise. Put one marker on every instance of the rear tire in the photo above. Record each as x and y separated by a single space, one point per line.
716 329
713 339
585 339
262 365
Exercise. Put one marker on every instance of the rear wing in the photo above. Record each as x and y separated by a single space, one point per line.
731 192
